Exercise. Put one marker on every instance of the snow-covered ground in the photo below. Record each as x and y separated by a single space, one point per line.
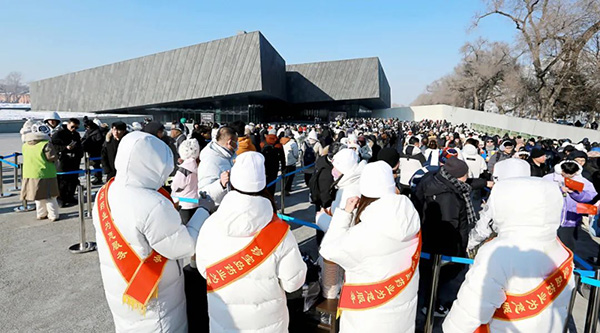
22 114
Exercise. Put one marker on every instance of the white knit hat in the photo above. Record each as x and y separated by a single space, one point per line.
377 180
511 168
248 172
189 149
345 160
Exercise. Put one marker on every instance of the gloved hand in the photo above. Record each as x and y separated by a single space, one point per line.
207 203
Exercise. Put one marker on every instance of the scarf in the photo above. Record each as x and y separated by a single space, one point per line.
465 191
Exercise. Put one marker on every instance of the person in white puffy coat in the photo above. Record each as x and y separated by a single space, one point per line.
347 170
147 221
377 248
257 301
525 252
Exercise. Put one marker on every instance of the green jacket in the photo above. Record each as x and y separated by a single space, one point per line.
35 161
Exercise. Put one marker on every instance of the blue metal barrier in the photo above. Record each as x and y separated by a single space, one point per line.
95 158
74 172
289 174
8 162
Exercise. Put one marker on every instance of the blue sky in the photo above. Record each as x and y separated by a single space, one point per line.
417 41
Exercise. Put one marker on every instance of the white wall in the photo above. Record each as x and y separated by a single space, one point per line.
467 116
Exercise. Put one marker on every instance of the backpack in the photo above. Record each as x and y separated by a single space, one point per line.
309 157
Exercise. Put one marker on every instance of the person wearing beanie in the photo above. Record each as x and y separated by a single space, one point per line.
376 240
506 150
109 148
185 181
248 256
443 200
522 280
537 161
346 174
39 172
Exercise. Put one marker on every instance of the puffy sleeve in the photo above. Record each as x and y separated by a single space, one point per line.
340 241
291 269
480 295
167 235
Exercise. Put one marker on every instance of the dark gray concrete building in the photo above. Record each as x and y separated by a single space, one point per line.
240 77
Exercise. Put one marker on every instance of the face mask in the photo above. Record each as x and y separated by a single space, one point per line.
336 174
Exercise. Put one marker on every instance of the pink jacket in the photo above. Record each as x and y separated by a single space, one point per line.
185 183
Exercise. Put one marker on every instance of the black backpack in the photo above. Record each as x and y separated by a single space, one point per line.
309 156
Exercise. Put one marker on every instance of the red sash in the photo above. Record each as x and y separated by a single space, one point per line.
142 276
357 297
530 304
237 265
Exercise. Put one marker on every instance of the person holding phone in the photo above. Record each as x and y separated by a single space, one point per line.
67 142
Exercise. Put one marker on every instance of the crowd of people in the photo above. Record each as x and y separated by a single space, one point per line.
383 190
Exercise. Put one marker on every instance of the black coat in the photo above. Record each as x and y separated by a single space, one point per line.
68 159
109 153
443 212
325 180
538 171
92 141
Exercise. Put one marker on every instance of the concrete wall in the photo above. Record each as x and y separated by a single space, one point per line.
467 116
14 126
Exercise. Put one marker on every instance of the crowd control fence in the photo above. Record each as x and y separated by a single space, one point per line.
589 275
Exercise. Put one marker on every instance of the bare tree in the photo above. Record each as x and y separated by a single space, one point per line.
553 34
12 87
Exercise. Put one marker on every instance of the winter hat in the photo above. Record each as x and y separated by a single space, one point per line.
97 122
536 152
511 168
189 149
52 116
288 133
312 135
455 167
376 180
136 126
26 129
272 131
37 131
121 126
577 154
389 156
248 172
345 160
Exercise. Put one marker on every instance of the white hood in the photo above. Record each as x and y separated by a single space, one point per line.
469 150
538 215
143 161
558 169
353 176
243 215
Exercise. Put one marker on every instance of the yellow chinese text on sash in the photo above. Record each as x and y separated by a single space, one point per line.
142 276
237 265
371 295
530 304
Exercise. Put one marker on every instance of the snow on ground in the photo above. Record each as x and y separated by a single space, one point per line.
22 114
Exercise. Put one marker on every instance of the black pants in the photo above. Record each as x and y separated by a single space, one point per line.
186 214
289 180
307 177
273 187
568 236
196 301
67 184
97 165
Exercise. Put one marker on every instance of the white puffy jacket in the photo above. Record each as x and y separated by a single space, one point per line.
256 302
347 187
214 159
475 162
379 247
525 252
147 220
